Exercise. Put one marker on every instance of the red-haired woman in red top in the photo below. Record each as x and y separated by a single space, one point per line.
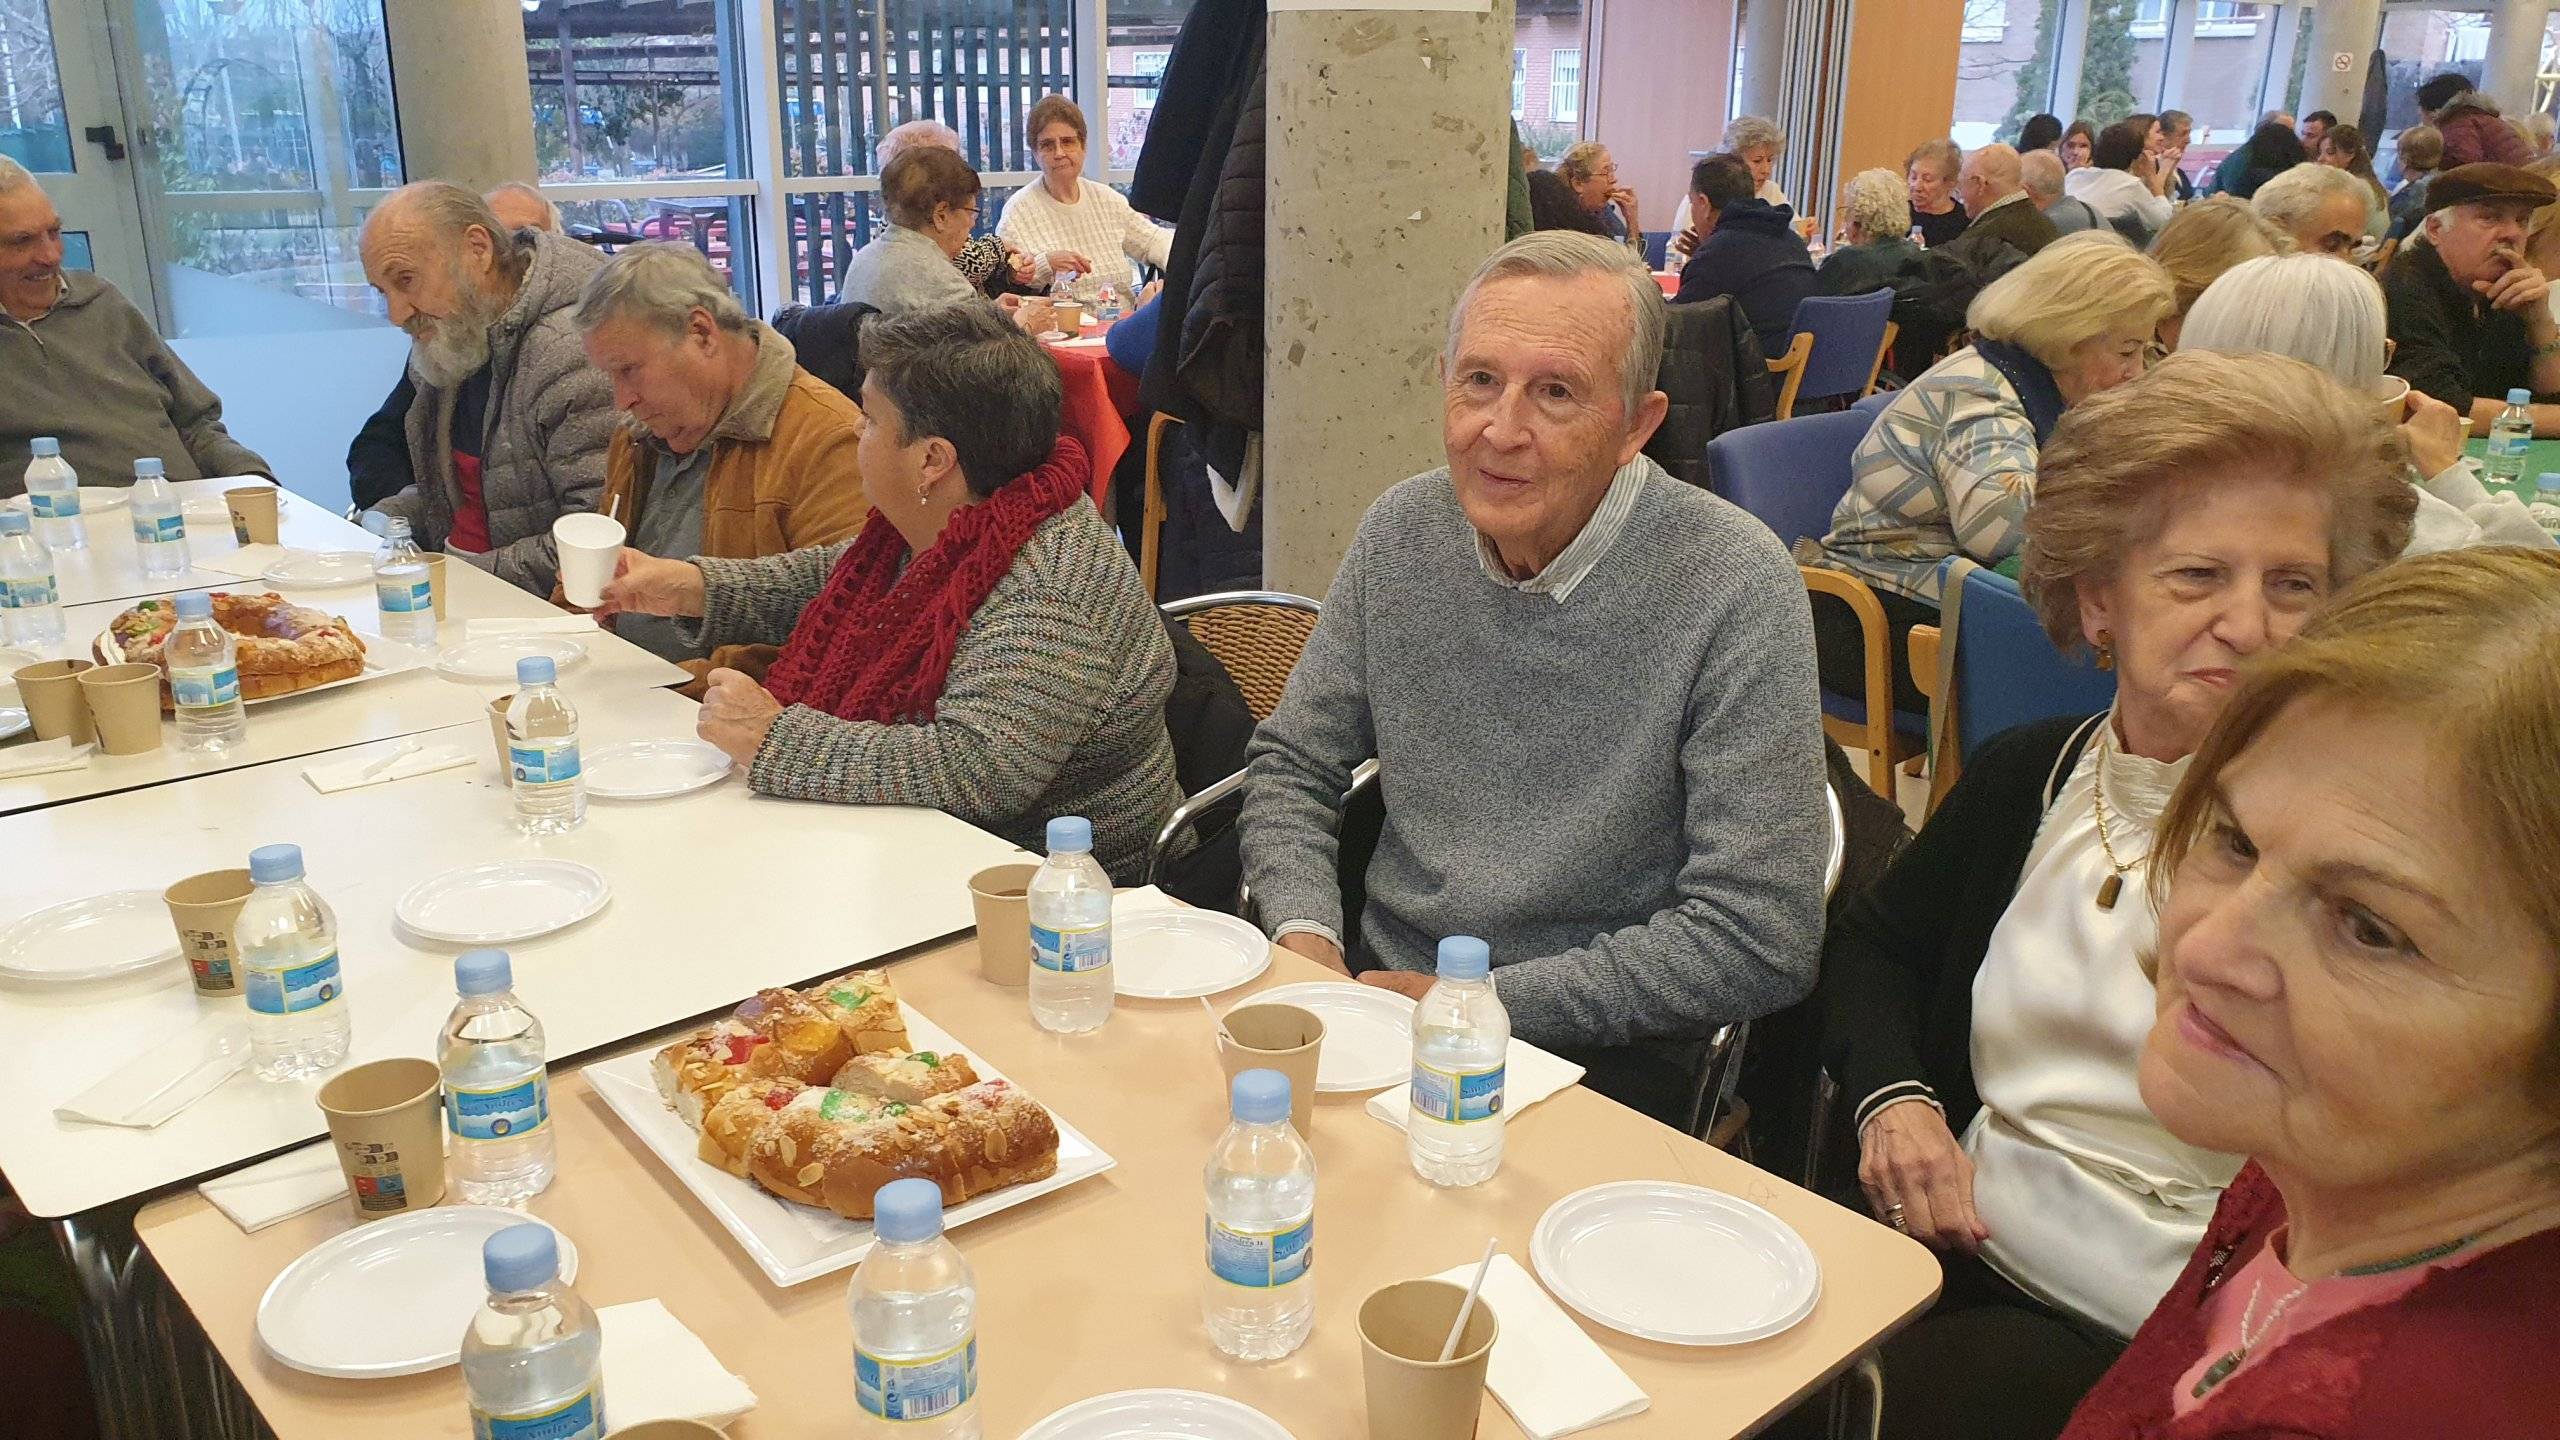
2359 984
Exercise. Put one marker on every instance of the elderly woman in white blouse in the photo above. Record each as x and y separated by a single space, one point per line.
1985 1002
2332 316
1065 223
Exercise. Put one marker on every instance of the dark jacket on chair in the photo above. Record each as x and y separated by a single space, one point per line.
1718 380
828 340
2016 221
1755 256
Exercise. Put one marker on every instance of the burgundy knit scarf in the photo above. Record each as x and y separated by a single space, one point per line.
877 645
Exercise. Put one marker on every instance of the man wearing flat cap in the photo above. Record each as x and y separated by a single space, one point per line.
2471 319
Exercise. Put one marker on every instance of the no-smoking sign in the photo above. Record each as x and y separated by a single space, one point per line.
2342 62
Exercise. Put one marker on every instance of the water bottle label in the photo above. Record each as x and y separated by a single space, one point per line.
158 529
544 764
580 1419
508 1112
1457 1097
2509 445
1262 1260
55 504
915 1389
394 597
28 594
200 689
297 991
1071 952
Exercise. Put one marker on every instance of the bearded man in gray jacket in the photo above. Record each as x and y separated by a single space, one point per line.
509 429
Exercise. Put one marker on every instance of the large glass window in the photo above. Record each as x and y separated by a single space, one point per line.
1138 36
1564 88
32 130
1547 41
630 90
2004 69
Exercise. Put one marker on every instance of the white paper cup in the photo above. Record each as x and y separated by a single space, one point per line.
589 546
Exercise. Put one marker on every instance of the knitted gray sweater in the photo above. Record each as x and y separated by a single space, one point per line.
1054 704
1622 793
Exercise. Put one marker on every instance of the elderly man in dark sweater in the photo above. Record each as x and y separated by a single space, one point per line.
2470 318
1590 691
1750 251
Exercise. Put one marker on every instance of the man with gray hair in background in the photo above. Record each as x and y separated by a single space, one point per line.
509 428
727 447
1590 692
79 363
2040 174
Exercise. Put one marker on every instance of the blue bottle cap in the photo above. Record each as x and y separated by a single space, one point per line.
274 864
1069 834
537 670
148 466
2546 481
44 447
906 1211
13 522
1464 957
195 605
1259 1097
483 972
2519 397
521 1257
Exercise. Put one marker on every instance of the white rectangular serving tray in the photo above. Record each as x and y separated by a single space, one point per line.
381 658
791 1242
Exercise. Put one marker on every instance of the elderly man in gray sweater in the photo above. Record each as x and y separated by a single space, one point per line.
1590 691
78 362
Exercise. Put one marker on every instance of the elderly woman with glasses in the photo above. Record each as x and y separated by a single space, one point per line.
932 198
2357 985
1982 1003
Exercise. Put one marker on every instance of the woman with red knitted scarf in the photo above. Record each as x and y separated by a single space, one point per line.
983 646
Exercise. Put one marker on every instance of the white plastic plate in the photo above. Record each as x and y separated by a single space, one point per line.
93 499
1368 1033
1181 954
1677 1263
502 901
792 1243
494 657
97 938
320 569
389 1298
1158 1415
652 769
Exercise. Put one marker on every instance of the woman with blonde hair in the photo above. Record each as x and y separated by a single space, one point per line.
2358 989
1592 174
2204 239
1950 465
1983 1002
1931 173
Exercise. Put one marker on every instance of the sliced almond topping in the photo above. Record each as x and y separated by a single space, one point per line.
809 1173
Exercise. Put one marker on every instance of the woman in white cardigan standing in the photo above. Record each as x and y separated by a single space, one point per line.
1067 224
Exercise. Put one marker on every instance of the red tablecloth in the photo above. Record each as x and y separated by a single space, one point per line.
1669 280
1099 395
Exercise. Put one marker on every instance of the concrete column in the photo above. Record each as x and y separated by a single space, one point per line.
464 96
2339 27
1390 139
2180 47
2515 53
2071 43
1764 56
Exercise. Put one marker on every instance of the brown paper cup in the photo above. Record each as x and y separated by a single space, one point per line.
2391 399
667 1430
1276 1037
253 514
435 579
1001 896
204 908
124 703
55 706
498 730
387 1125
1069 316
1413 1393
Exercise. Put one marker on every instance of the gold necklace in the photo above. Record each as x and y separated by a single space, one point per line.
2113 886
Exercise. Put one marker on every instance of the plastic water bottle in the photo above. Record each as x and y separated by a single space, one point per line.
288 945
533 1359
402 591
53 496
497 1095
204 678
159 528
542 752
2545 508
1259 1296
1106 306
1072 982
1461 1043
2510 441
30 602
915 1323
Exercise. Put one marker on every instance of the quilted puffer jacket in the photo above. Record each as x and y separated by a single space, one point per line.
1717 379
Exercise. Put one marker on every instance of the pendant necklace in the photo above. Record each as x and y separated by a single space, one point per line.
2113 885
2251 1334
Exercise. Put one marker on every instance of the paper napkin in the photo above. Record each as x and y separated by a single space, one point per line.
655 1369
1545 1370
339 775
296 1181
170 1074
1125 903
43 757
1529 1076
544 625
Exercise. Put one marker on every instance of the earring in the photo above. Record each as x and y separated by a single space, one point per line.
924 494
2106 650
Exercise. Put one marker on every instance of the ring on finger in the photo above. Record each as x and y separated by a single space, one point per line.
1893 1216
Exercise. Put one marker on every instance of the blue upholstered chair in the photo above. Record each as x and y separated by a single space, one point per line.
1994 668
1837 349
